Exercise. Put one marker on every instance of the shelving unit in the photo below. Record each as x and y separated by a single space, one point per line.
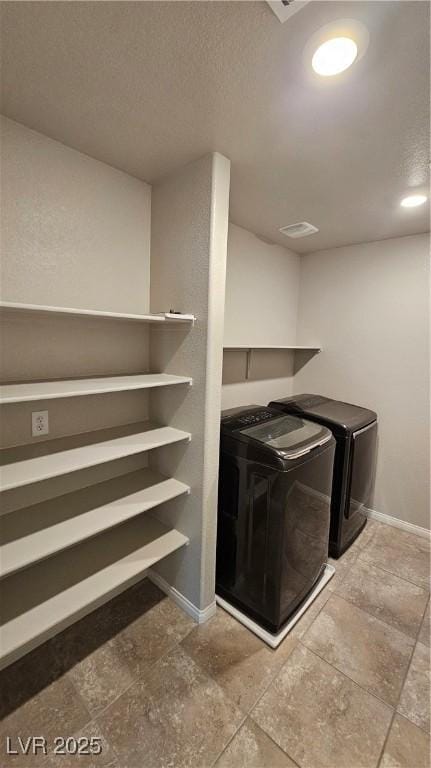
94 449
248 348
48 390
162 317
86 578
63 557
34 533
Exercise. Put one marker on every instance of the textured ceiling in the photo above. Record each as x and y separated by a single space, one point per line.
147 87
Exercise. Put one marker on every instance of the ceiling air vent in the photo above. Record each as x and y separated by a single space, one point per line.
284 9
301 229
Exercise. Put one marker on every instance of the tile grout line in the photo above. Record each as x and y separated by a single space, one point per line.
272 680
401 693
299 642
409 581
241 725
277 745
415 639
256 702
394 708
366 690
363 549
94 718
249 711
419 727
341 672
389 573
425 588
382 621
213 680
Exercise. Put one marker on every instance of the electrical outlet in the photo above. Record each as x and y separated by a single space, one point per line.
39 423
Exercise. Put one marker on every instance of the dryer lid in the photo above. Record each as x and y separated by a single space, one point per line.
336 414
289 436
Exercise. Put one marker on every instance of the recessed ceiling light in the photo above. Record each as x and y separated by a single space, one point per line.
413 200
334 56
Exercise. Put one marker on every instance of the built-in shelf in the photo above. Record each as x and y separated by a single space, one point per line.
42 601
161 317
249 348
34 533
48 390
87 450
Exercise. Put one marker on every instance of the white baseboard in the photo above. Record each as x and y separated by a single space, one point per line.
198 614
396 523
201 615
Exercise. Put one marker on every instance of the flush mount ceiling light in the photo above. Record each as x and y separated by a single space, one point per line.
333 48
412 201
334 56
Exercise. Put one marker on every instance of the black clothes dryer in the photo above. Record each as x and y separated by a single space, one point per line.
273 512
355 430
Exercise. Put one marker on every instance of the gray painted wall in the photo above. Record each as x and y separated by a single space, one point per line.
188 258
369 305
262 290
74 232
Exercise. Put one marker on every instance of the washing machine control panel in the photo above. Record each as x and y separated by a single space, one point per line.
249 419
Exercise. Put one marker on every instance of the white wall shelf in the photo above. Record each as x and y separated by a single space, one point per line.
48 390
88 575
146 437
248 349
161 317
70 519
67 520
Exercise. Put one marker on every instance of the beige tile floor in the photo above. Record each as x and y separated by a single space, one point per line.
348 688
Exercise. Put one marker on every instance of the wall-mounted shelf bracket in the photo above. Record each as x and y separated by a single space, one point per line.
248 364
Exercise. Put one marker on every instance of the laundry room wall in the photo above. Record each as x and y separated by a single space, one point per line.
188 266
75 232
369 305
262 289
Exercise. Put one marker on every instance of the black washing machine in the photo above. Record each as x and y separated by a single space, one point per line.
273 512
355 431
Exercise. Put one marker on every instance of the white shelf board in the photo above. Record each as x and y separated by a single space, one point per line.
245 347
161 317
74 517
35 606
178 318
48 390
89 454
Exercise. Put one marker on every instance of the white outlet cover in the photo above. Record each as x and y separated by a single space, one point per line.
39 423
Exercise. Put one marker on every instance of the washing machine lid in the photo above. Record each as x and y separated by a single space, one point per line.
288 436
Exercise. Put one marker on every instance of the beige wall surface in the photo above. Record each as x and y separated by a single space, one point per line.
262 287
74 232
369 306
189 235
